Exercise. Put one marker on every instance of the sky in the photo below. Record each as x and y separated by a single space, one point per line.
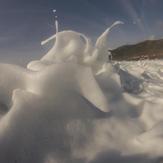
25 23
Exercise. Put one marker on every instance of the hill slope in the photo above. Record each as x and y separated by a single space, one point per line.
150 49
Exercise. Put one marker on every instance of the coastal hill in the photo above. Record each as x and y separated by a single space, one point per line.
149 49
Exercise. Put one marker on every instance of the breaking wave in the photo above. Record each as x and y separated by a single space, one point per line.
73 105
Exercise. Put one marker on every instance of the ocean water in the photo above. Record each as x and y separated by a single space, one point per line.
73 105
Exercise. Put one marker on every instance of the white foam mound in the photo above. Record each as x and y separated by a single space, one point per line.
73 106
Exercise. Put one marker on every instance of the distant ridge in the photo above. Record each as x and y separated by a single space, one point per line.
149 49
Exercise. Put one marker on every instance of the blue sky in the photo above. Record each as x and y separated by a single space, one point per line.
25 23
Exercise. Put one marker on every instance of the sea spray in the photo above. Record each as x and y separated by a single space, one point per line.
73 106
